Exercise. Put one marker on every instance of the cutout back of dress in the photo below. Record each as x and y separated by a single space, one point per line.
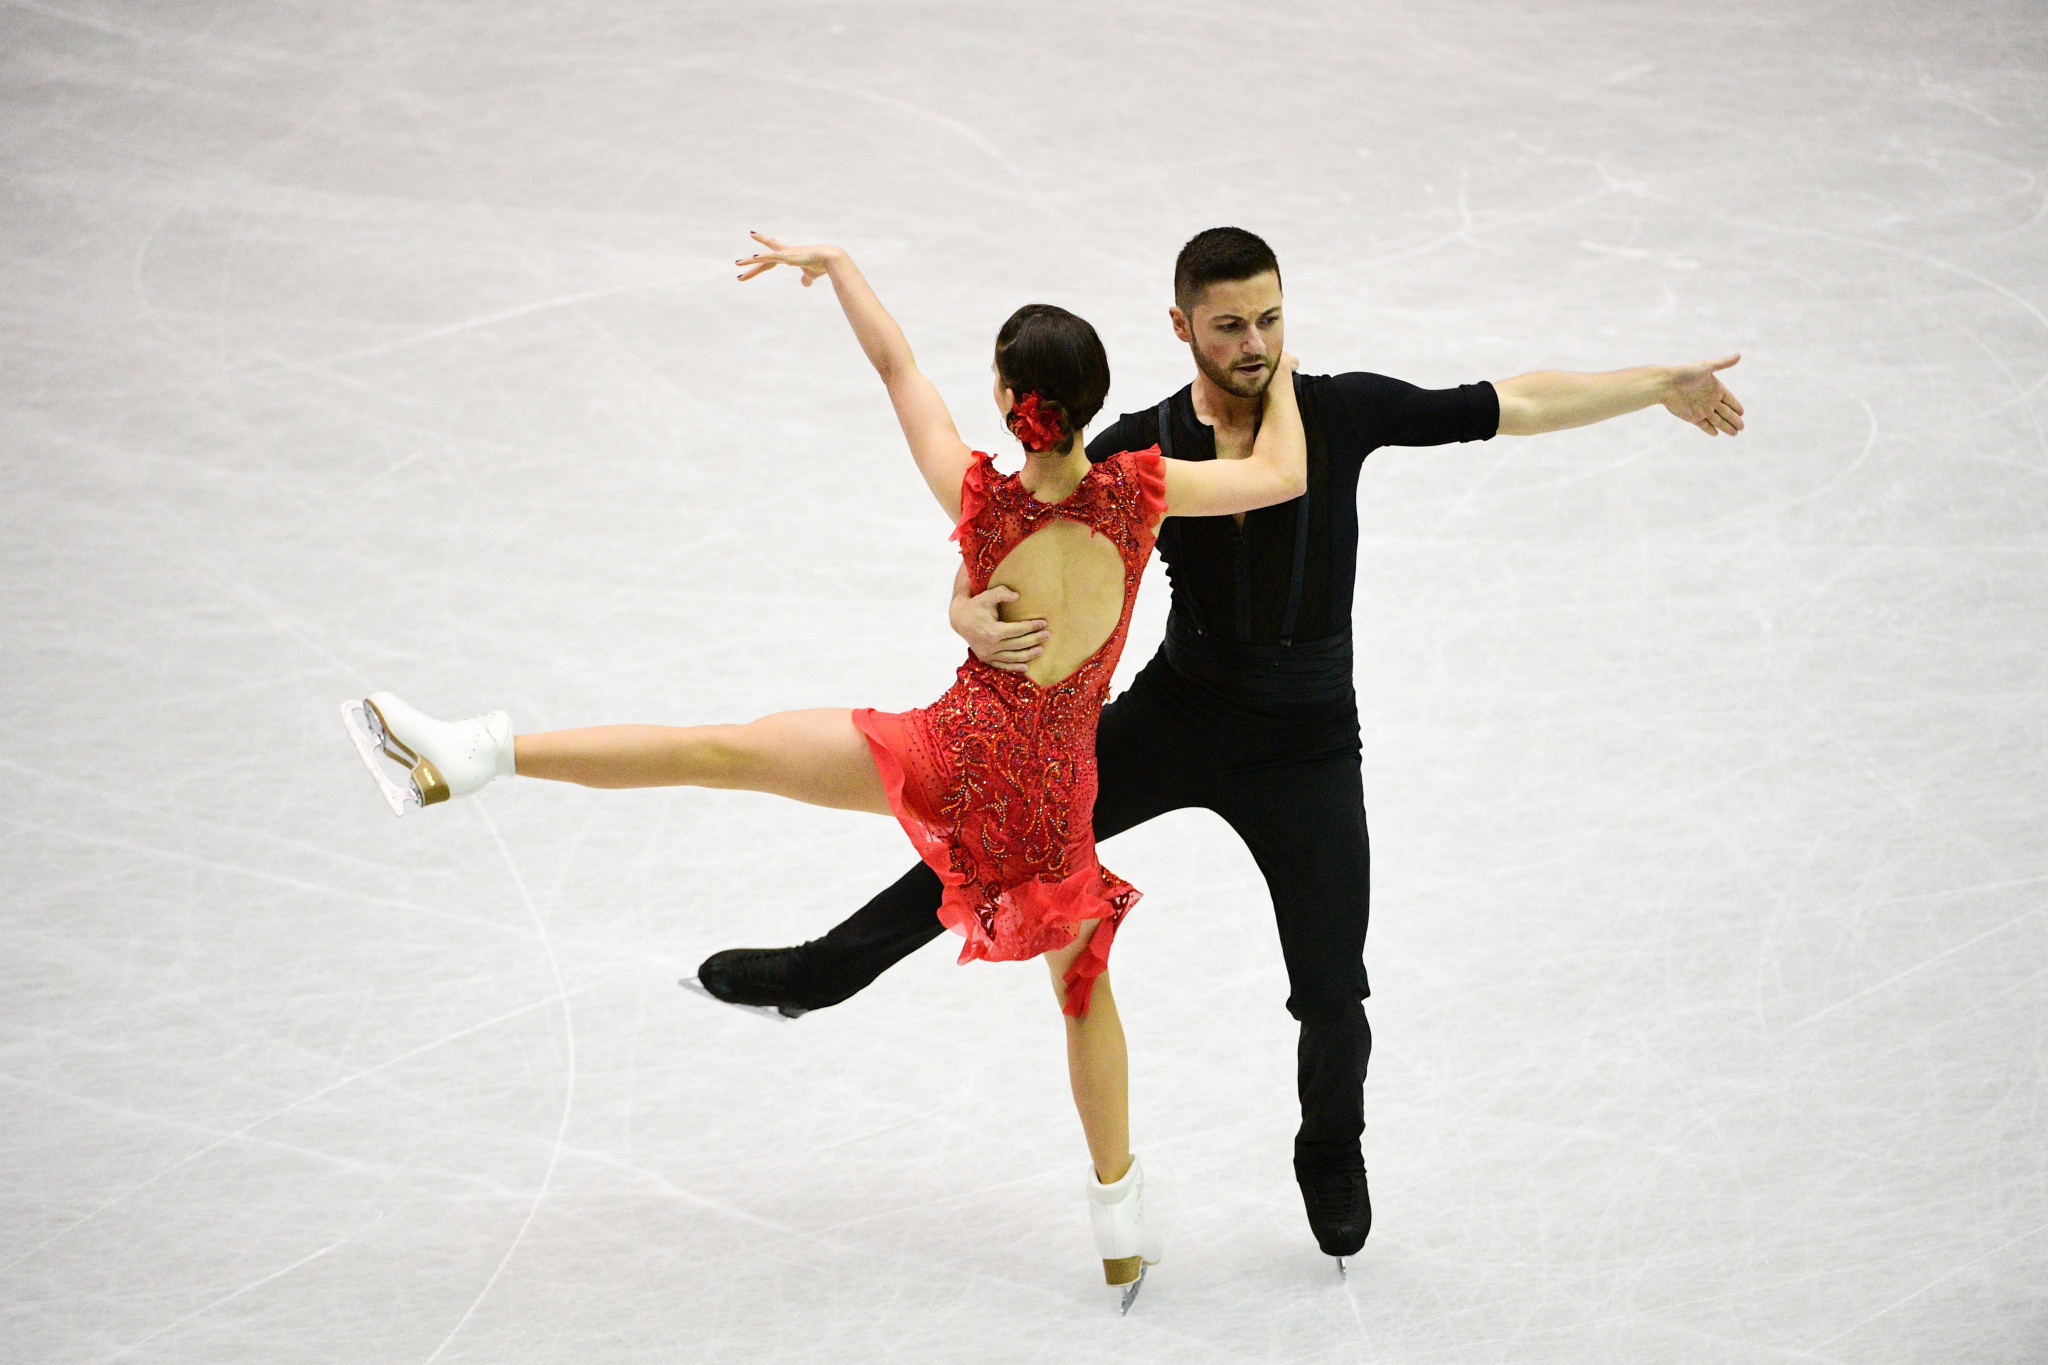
1076 563
1073 579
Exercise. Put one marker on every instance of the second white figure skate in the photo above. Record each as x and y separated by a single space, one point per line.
1128 1242
430 761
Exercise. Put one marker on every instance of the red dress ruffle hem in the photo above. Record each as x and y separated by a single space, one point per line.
995 782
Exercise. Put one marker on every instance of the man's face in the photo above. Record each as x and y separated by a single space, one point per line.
1236 332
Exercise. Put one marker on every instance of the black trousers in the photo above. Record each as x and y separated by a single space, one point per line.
1287 780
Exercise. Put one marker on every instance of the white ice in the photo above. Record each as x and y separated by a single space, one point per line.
351 346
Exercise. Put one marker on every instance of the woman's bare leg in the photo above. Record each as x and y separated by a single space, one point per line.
1097 1065
817 757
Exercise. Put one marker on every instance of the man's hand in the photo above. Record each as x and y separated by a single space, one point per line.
1697 395
1554 400
1007 645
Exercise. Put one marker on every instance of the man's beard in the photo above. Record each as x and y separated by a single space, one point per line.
1231 382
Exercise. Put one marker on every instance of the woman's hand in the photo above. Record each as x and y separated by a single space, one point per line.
1006 645
812 260
1289 363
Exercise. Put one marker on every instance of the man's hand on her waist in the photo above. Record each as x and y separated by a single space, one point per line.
1007 645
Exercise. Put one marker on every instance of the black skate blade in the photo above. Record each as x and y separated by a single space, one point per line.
781 1014
1342 1273
1131 1293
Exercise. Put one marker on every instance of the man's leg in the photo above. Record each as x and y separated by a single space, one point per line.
1140 759
1305 825
898 921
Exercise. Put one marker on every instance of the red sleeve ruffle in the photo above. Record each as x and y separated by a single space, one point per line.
973 491
1148 474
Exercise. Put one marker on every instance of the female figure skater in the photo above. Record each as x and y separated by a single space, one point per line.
995 782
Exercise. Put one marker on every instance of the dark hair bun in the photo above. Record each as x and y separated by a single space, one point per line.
1045 350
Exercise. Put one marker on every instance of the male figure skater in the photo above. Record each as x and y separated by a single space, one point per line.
1247 709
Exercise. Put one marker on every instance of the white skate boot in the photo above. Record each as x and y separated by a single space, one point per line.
440 758
1127 1242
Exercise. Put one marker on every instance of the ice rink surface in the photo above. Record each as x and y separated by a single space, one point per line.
376 345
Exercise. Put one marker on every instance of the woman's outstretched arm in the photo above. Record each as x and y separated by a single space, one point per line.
1275 471
942 457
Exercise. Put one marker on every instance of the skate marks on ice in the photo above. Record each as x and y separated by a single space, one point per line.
243 1132
227 1299
547 1179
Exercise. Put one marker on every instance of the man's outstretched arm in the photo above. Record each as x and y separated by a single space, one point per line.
1552 400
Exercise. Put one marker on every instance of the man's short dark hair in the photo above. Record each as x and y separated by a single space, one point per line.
1217 254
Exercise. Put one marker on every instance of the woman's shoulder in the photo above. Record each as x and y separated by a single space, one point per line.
1142 474
982 473
1138 461
978 485
1131 459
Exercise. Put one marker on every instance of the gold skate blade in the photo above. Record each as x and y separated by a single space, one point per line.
370 742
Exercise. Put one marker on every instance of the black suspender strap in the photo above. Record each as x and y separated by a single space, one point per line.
1166 449
1300 567
1300 534
1244 584
1244 561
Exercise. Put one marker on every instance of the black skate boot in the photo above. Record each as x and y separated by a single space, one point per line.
1339 1209
769 980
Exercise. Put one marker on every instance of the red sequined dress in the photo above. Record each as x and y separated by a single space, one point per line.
995 781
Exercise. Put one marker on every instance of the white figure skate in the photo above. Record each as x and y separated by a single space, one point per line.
439 759
1127 1242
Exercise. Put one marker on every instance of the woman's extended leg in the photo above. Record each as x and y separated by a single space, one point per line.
1097 1065
818 757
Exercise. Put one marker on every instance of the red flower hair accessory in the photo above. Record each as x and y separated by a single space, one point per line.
1039 428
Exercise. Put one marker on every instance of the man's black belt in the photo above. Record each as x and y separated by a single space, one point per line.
1305 673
